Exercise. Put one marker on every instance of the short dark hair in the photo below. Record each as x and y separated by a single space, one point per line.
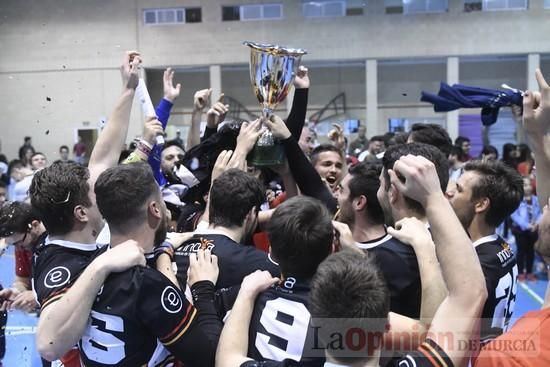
232 195
56 190
27 138
349 289
14 163
63 147
461 139
300 233
15 217
502 185
380 138
365 180
489 149
122 191
432 134
324 148
427 151
173 143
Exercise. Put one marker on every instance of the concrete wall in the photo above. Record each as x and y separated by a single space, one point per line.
70 50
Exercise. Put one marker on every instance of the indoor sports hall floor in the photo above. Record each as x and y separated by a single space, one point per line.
20 345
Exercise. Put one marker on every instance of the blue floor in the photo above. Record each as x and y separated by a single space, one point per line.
20 345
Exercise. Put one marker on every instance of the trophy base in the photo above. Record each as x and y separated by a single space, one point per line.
267 155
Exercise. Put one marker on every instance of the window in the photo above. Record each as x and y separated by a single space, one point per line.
424 6
172 16
415 6
312 9
488 5
252 12
546 4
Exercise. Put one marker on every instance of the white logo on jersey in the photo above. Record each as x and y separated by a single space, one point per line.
171 300
409 362
289 283
57 277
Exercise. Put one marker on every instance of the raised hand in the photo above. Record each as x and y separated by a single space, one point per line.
336 136
416 178
200 98
536 108
278 127
151 129
301 81
171 92
202 266
216 113
248 135
129 69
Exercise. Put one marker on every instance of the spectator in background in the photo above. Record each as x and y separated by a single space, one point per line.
27 154
79 151
26 145
455 163
525 160
376 146
307 140
3 192
4 169
510 155
64 153
360 143
524 227
178 138
21 189
489 153
465 144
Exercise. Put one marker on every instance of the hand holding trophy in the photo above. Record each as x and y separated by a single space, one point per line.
272 72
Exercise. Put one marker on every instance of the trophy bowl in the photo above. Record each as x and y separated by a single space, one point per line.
272 71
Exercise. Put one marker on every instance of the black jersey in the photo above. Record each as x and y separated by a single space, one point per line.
139 307
428 354
498 263
397 262
280 327
56 265
234 260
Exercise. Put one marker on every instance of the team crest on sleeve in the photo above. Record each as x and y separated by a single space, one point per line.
57 277
171 300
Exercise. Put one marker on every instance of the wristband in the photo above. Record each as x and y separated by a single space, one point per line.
164 248
202 290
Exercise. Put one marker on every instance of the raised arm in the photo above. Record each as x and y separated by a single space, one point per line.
467 293
199 103
63 322
233 346
215 116
536 122
297 117
308 180
414 233
111 140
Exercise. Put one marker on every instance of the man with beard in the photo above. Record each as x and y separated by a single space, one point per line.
138 312
396 260
486 194
235 199
359 206
328 161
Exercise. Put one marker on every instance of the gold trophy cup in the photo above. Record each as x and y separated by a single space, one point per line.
272 71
